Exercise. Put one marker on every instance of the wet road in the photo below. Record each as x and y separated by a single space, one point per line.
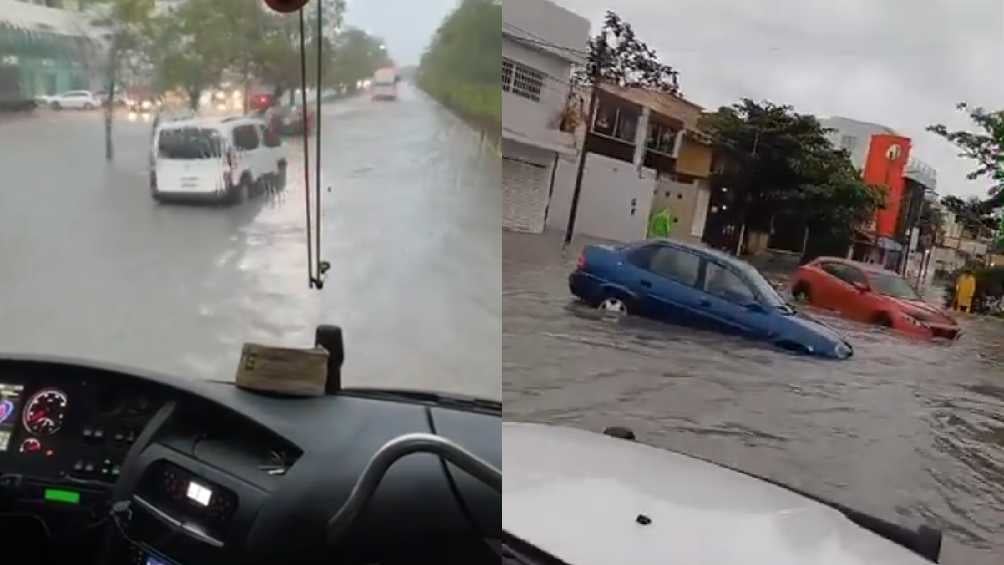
91 267
909 431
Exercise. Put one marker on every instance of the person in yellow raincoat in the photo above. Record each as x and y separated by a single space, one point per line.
965 288
661 224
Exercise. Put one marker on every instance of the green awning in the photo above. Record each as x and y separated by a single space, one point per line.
33 43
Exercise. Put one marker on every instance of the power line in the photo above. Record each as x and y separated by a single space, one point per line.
531 37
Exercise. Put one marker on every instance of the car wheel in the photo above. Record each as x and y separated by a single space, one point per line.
56 106
240 193
613 304
280 178
801 293
882 319
88 106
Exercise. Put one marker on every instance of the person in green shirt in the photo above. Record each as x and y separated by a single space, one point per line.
661 223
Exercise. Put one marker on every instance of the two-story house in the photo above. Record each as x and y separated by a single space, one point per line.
643 152
540 44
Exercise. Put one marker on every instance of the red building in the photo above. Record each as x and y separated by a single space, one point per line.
884 166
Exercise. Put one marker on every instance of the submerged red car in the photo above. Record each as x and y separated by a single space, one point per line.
868 293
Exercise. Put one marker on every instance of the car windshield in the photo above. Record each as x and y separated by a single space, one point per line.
189 143
767 293
119 246
892 285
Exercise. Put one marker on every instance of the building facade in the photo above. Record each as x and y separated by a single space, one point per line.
47 47
540 43
644 152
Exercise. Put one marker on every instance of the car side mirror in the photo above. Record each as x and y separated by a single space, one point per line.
862 287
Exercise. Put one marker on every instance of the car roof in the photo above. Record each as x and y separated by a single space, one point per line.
698 248
219 123
866 267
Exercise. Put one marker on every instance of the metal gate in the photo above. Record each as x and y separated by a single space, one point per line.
524 195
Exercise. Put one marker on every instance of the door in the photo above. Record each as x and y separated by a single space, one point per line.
524 195
839 293
731 303
189 160
665 279
246 144
269 150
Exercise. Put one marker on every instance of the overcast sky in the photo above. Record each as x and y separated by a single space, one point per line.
405 25
900 63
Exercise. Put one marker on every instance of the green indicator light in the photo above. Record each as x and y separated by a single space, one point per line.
64 496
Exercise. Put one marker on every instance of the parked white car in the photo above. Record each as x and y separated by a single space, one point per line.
223 160
75 99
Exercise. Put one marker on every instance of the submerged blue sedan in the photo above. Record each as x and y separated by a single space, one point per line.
698 287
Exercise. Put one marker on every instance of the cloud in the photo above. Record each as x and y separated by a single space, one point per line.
901 63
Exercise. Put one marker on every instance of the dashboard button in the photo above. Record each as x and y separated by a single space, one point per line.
116 471
78 466
88 432
99 434
89 467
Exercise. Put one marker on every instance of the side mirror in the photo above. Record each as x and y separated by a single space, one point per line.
862 287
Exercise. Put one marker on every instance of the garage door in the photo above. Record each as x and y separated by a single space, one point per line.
524 195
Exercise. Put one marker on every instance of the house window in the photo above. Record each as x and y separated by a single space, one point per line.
661 138
615 122
627 126
522 80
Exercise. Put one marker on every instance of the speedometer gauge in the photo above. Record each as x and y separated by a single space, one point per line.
44 413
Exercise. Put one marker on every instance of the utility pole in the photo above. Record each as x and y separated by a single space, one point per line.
570 228
596 74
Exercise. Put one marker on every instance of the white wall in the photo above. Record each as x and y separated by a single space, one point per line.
860 132
605 202
545 20
536 120
561 196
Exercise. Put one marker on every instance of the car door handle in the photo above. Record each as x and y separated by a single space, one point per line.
646 284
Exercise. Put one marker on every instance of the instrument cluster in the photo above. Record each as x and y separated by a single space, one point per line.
69 428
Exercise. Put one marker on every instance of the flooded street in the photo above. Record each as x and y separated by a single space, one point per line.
910 431
92 267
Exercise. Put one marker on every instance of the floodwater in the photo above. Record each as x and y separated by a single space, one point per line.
92 267
909 431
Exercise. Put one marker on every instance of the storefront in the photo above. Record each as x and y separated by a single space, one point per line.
50 49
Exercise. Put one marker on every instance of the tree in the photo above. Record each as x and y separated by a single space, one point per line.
974 215
276 53
357 56
193 47
462 65
618 57
782 164
986 148
128 27
932 225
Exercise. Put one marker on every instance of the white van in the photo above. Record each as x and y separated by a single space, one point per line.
225 160
384 84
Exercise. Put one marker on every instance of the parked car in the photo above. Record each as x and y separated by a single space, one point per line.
120 98
868 293
224 160
288 120
74 99
699 287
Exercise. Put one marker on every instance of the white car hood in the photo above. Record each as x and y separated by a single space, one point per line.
576 495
